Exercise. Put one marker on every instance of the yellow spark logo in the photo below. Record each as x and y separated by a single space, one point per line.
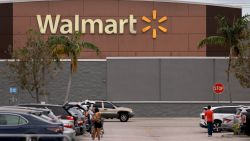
161 20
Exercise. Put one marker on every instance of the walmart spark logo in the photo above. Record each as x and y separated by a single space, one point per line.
161 20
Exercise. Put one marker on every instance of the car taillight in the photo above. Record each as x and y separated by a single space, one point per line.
80 122
56 129
226 120
237 116
69 118
68 125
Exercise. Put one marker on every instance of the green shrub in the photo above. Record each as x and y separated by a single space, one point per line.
236 128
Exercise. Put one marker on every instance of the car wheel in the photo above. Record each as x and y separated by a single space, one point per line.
124 117
217 126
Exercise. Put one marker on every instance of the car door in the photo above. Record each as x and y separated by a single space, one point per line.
110 110
12 124
99 105
225 112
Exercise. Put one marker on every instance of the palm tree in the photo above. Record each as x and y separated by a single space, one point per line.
71 47
229 36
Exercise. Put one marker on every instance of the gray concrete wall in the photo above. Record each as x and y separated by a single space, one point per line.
89 82
171 109
172 84
169 79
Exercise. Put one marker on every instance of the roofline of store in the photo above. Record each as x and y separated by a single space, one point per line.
168 57
172 1
121 58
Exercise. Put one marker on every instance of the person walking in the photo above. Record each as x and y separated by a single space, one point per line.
209 117
88 115
97 124
243 122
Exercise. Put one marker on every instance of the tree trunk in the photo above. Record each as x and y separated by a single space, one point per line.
44 86
228 77
68 88
37 96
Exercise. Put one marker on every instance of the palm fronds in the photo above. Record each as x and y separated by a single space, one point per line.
213 40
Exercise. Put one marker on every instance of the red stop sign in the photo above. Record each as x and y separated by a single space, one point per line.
218 88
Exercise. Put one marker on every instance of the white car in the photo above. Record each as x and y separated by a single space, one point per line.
110 111
220 112
229 121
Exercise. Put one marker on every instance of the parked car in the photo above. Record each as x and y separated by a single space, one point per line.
22 121
229 121
84 109
109 110
47 114
62 113
220 112
79 113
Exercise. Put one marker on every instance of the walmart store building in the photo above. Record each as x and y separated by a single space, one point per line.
149 58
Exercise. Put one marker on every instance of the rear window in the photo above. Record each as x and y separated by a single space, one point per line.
58 110
35 106
226 110
98 105
108 105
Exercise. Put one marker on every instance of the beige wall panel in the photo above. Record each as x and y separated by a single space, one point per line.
104 42
21 25
100 8
172 42
135 43
137 8
189 25
194 40
30 8
197 10
171 9
66 7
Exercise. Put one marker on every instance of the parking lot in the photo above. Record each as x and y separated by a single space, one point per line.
160 129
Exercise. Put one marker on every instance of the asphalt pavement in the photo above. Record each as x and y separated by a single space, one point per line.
160 129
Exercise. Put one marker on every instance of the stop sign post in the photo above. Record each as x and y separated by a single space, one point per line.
218 88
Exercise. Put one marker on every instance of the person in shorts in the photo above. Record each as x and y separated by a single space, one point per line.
97 124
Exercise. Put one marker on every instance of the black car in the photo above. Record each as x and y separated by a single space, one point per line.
24 122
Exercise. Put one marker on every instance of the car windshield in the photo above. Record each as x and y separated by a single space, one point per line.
58 110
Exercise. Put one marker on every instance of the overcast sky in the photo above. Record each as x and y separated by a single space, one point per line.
245 4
